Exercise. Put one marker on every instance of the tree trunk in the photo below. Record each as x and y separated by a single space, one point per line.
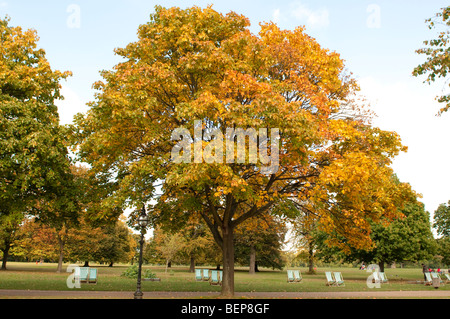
61 254
86 263
252 269
310 258
228 262
381 265
5 254
192 264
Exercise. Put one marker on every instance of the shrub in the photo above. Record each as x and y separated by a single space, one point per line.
132 272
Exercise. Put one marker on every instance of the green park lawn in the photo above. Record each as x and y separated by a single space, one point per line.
30 276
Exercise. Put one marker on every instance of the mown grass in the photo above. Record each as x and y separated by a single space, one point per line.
30 276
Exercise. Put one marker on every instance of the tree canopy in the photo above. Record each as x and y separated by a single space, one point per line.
33 153
206 73
437 51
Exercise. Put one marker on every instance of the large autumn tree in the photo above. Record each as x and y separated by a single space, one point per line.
201 70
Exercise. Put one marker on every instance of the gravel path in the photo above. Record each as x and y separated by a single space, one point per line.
48 294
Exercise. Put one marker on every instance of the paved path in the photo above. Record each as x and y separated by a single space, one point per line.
74 294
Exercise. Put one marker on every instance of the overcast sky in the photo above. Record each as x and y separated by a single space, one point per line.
377 39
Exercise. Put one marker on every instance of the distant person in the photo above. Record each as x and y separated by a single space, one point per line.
424 270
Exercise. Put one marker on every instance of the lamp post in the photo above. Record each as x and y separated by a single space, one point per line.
143 222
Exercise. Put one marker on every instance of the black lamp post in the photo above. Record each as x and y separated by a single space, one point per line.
143 222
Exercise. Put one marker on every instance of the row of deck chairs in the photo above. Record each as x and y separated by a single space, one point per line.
86 275
294 276
429 278
334 278
380 277
213 276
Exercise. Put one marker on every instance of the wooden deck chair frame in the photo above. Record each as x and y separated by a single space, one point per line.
339 279
297 276
330 279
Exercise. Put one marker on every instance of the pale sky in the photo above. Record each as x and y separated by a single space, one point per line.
377 39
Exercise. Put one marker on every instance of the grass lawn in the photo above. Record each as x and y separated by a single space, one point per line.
30 276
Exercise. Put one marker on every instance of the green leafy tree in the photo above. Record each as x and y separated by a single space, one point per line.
405 239
168 245
118 244
9 229
442 226
259 242
442 220
196 240
34 164
443 249
437 51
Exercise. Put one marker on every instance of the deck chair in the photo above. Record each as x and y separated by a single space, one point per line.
84 274
92 276
376 277
436 275
198 275
297 276
76 274
383 278
220 276
339 279
428 279
205 274
330 280
447 277
215 279
290 276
